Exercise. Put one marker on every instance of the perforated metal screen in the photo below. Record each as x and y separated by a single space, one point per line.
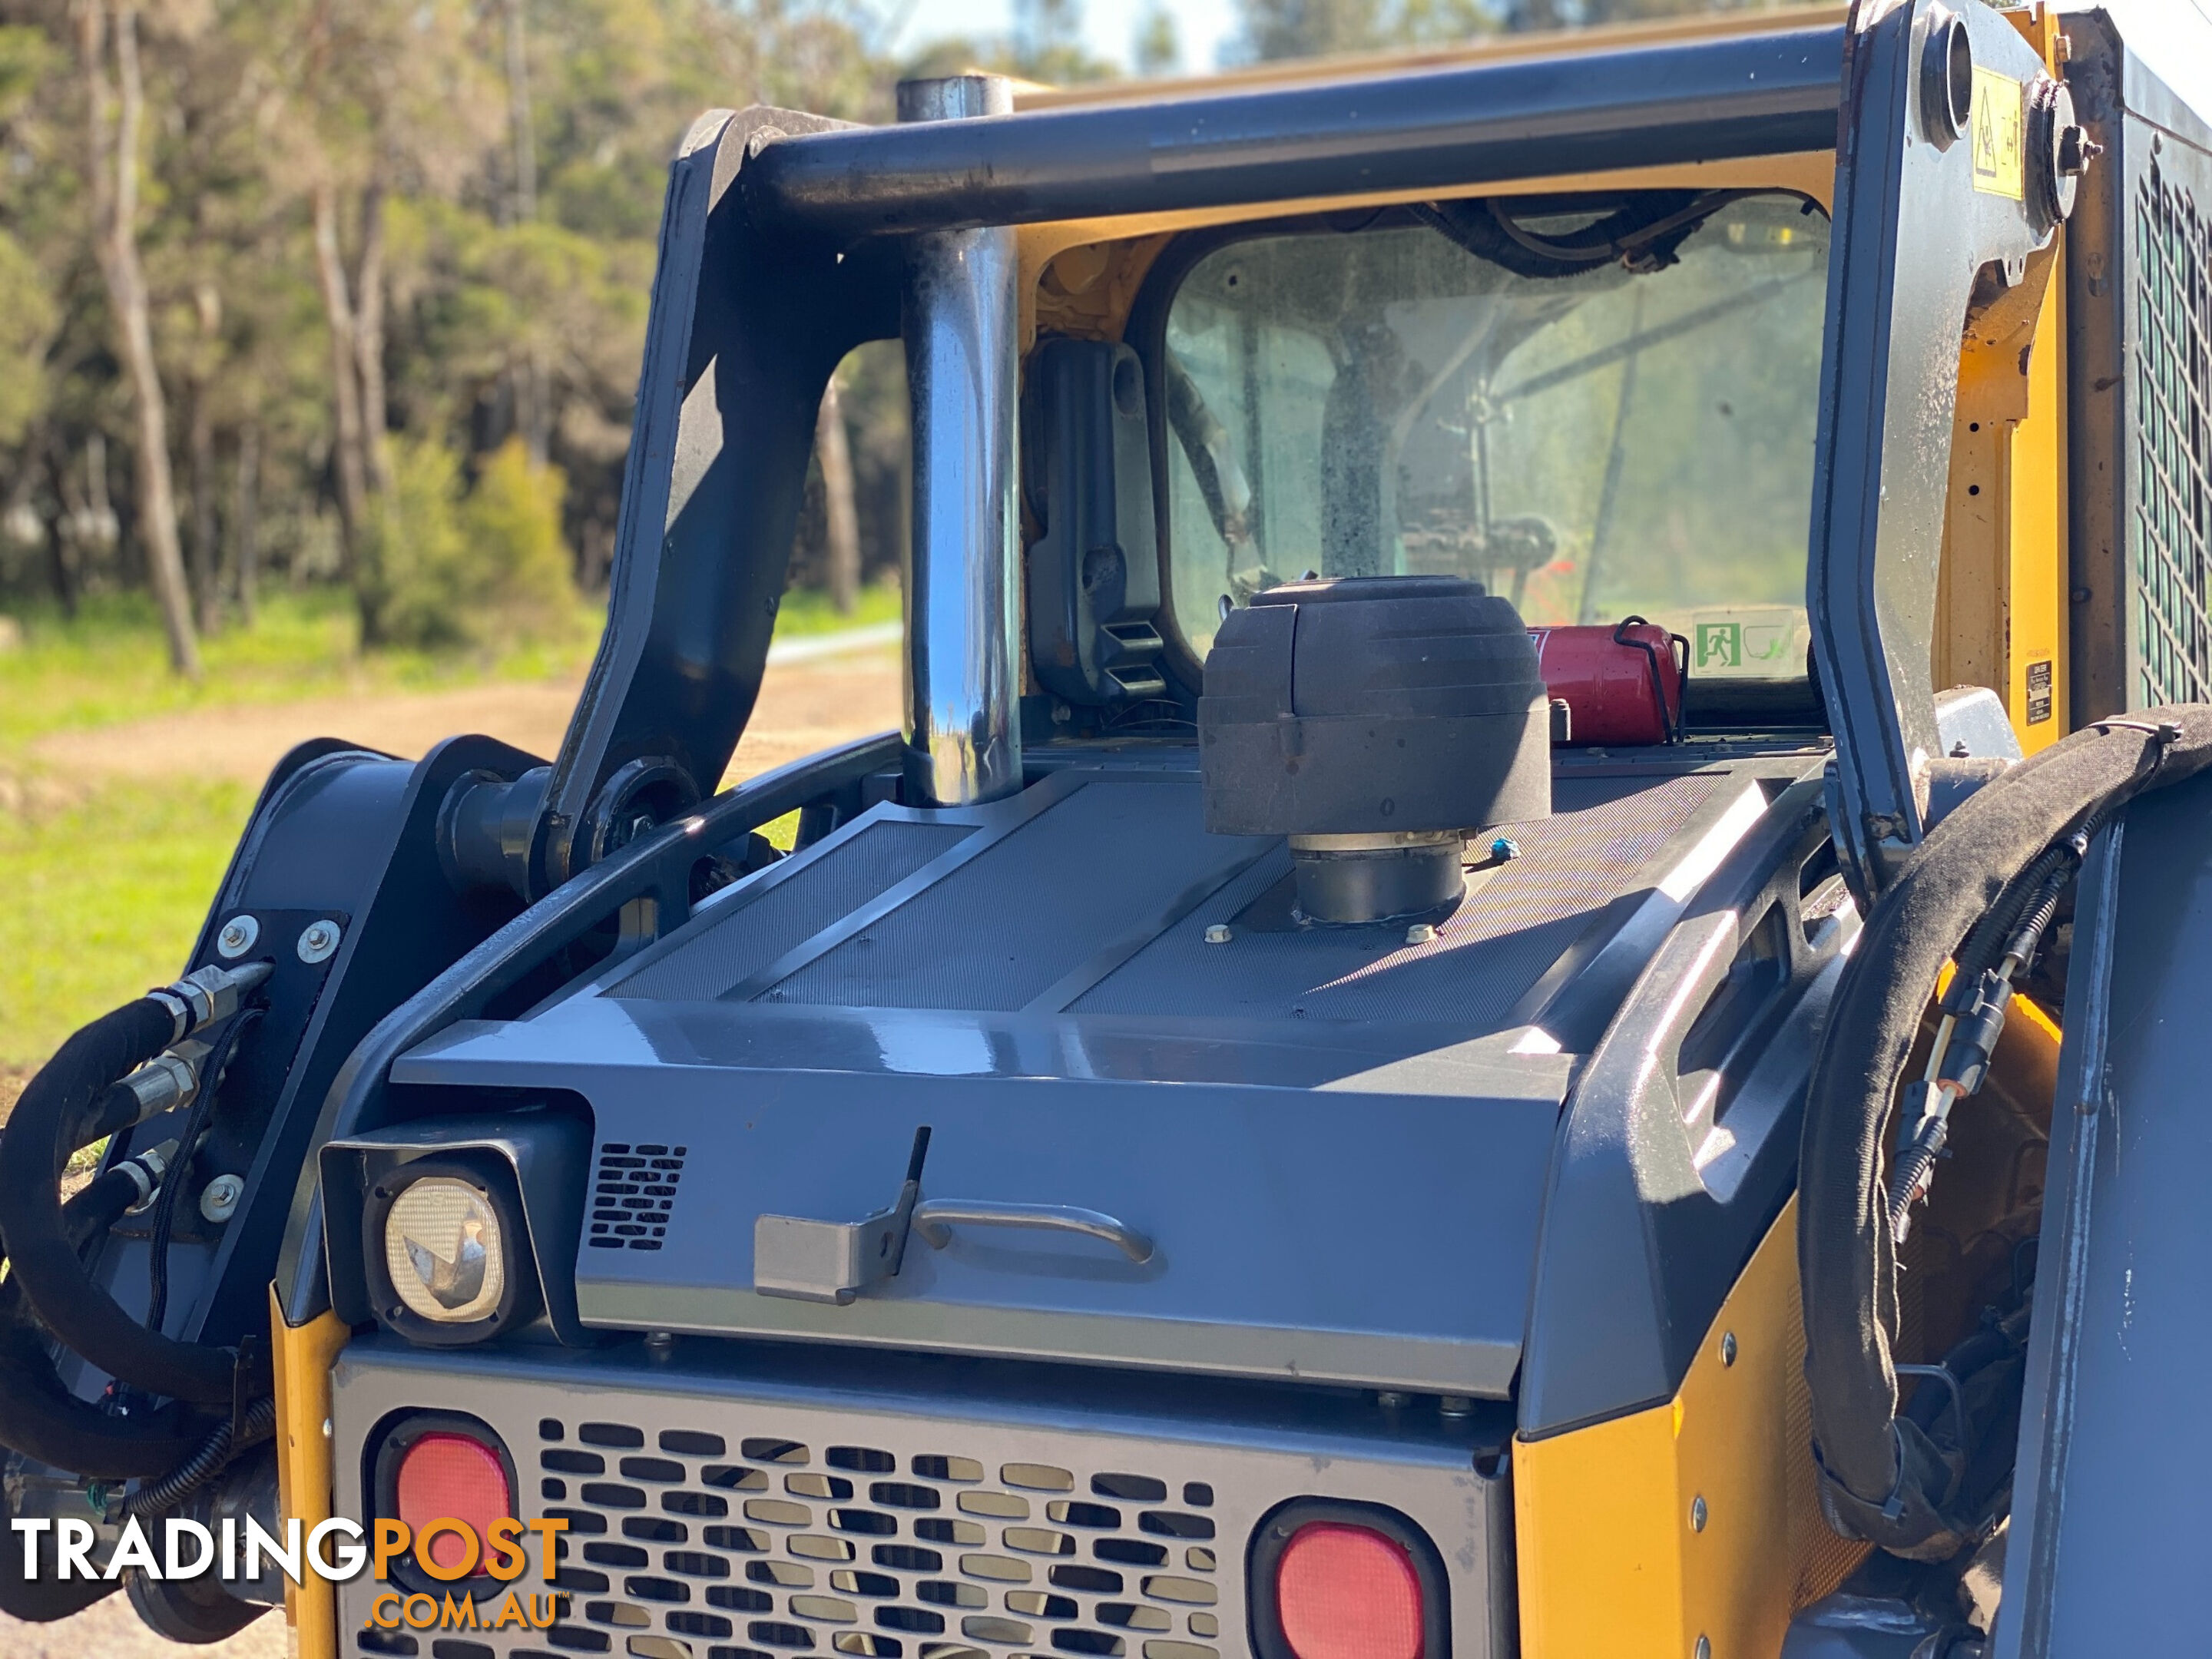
682 1543
2170 528
716 1514
774 1544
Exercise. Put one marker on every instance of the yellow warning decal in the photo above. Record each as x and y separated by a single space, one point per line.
1999 119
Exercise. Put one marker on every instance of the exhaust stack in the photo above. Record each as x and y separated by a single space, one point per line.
964 740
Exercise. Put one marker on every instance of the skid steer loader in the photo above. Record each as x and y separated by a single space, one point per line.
1529 978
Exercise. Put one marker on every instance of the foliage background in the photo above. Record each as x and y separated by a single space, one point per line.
331 310
440 212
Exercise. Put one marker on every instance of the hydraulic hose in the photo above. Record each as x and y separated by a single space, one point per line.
41 1419
75 1099
175 1456
1884 1478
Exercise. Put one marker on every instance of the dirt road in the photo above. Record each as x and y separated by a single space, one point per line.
110 1629
804 706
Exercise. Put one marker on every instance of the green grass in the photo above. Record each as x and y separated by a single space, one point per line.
103 885
808 610
100 898
108 664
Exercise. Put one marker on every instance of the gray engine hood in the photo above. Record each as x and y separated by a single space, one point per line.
1345 1236
1339 1144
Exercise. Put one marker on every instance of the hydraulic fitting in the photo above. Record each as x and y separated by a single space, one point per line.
147 1169
210 995
167 1080
1979 1010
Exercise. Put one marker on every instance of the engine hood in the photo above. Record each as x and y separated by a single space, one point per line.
1336 1143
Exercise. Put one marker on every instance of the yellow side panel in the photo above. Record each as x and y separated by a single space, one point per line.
303 1355
1600 1543
2001 603
2001 600
1613 1561
2035 686
2035 690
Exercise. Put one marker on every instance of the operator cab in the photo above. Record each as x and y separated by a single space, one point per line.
1599 407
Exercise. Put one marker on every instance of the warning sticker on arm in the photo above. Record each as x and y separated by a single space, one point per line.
2000 116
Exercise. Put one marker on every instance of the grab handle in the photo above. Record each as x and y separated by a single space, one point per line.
935 1219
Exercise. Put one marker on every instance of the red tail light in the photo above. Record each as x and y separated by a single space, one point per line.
451 1475
1343 1592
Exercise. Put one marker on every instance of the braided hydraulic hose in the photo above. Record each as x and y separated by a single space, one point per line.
41 1419
76 1098
1967 892
1974 1014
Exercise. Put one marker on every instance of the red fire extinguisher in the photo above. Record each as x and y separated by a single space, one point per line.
1622 685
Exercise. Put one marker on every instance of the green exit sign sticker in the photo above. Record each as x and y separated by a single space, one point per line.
1766 642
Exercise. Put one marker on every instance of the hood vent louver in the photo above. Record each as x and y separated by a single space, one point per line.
634 1194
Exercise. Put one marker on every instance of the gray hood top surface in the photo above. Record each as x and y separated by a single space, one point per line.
1337 1141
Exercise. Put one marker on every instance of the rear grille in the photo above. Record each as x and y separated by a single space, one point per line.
915 1510
774 1547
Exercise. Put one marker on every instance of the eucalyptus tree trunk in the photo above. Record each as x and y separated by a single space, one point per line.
534 398
368 338
349 464
205 555
836 454
114 172
245 522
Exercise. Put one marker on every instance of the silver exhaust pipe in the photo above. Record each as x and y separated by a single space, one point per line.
964 740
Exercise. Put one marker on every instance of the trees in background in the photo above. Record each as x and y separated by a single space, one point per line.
114 114
1158 48
1312 29
260 258
354 291
1309 28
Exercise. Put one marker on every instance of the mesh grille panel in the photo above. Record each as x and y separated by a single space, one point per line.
709 961
2170 530
772 1546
